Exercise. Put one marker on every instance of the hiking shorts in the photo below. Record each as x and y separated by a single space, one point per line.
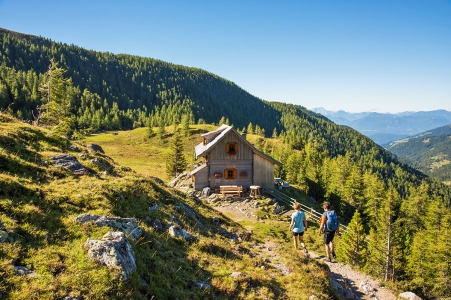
298 233
328 236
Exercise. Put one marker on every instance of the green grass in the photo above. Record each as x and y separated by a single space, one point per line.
38 204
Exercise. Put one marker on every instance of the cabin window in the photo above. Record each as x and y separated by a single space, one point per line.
231 148
230 173
205 141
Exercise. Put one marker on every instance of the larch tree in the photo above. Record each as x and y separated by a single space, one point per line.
384 239
353 243
429 263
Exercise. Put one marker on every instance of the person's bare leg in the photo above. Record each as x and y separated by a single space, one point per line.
295 242
301 240
326 246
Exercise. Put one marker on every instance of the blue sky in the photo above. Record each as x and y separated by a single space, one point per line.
355 55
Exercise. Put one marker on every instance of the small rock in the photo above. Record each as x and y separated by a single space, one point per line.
74 148
409 295
236 275
156 224
366 287
154 207
202 285
23 271
176 231
94 148
144 283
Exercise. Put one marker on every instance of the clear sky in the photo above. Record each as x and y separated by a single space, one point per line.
355 55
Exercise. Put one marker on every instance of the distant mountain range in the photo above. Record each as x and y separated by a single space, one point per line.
385 127
429 152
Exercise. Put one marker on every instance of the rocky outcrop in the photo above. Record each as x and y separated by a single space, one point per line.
176 231
69 162
126 225
113 250
176 180
94 148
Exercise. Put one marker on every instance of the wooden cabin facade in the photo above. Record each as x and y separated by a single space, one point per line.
229 159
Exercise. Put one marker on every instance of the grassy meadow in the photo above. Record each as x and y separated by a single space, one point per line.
38 204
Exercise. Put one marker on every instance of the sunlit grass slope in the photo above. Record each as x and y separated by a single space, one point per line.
38 204
144 154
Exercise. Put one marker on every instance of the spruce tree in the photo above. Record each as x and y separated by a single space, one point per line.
352 248
55 111
175 161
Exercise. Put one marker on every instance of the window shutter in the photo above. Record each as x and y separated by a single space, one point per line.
226 174
234 173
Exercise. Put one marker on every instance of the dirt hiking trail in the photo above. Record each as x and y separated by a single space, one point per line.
343 278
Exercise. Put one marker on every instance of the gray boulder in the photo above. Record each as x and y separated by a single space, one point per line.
69 162
409 295
126 225
113 250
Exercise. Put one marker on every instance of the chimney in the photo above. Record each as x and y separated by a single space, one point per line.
244 133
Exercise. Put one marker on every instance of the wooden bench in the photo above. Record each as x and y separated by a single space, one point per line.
231 189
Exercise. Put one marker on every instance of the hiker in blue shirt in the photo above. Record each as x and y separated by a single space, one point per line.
331 226
299 226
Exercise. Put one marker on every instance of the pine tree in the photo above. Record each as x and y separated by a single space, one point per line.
352 248
175 161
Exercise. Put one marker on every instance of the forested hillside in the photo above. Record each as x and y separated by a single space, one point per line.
429 152
79 91
122 91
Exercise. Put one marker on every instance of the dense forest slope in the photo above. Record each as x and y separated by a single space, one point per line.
429 152
85 91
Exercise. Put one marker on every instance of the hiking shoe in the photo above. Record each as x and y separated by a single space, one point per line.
305 250
333 254
327 259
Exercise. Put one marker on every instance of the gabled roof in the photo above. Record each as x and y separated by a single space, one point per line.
220 133
197 169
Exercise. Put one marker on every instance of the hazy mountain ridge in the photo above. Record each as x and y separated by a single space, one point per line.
386 127
429 151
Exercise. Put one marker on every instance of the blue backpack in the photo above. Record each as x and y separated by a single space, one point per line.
332 221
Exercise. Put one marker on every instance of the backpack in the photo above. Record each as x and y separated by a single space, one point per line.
332 220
